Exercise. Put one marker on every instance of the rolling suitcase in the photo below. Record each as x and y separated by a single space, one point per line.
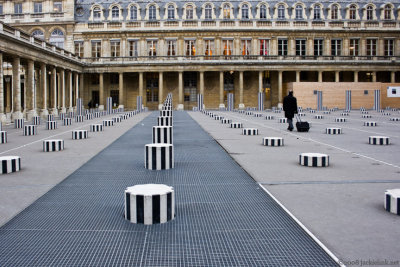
302 126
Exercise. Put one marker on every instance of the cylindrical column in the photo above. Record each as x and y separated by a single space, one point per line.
81 85
201 76
101 89
54 89
70 90
320 76
1 87
121 88
356 76
180 87
298 76
241 88
62 79
336 76
160 88
221 88
16 88
76 88
279 87
260 82
374 76
392 77
30 85
43 87
141 84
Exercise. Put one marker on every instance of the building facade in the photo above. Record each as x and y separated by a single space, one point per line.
215 48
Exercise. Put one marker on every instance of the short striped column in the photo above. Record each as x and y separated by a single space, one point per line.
392 201
164 121
282 120
249 112
314 160
312 111
166 113
344 114
327 112
319 117
370 123
394 119
10 164
51 117
79 118
364 112
79 134
250 131
51 125
19 123
53 145
273 141
3 137
89 116
107 123
159 156
218 118
269 117
97 114
226 121
379 140
340 119
124 116
242 111
386 114
67 121
236 125
30 130
36 120
70 114
62 116
300 114
162 134
333 131
96 127
366 116
116 119
277 111
149 204
211 114
258 115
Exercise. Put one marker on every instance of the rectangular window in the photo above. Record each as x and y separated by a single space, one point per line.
18 8
227 46
208 48
152 48
264 47
318 47
282 47
133 48
246 47
152 89
115 48
300 47
57 6
354 47
79 48
171 47
190 46
37 7
371 47
389 47
336 47
96 48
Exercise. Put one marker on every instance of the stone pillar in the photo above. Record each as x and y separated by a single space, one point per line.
356 76
320 78
76 88
30 90
241 104
280 88
337 77
297 76
62 95
202 82
180 90
160 90
70 87
121 90
43 89
393 77
82 86
221 89
54 88
260 82
101 91
374 76
16 88
59 89
2 114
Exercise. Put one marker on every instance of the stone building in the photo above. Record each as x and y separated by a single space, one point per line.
251 49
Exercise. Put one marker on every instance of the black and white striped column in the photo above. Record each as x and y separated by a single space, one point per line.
340 119
370 123
79 134
19 123
79 107
200 102
333 130
250 131
116 119
318 117
164 121
107 123
166 113
53 145
3 137
62 116
282 120
348 99
109 105
97 114
269 117
159 156
260 103
162 134
139 101
30 130
377 100
51 117
249 112
258 115
10 164
273 141
231 101
67 121
379 140
236 125
319 100
79 118
218 118
344 114
394 119
366 116
392 201
149 204
96 127
314 160
51 125
226 121
89 116
36 120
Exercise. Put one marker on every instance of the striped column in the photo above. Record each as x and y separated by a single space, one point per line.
96 127
117 119
377 100
149 204
139 103
10 164
51 125
164 121
109 105
162 134
107 123
273 141
348 99
19 123
231 102
79 118
261 101
67 121
79 134
36 120
250 131
200 101
159 156
392 201
30 130
319 100
236 125
3 137
53 145
79 107
314 160
379 140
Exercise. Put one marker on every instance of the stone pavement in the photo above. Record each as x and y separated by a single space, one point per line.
342 205
223 217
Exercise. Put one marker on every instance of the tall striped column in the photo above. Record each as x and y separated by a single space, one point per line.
261 101
139 103
377 100
348 99
200 102
319 100
79 107
230 102
109 105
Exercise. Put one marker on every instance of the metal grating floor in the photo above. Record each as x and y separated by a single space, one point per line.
223 217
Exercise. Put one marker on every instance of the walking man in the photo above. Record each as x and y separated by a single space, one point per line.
290 108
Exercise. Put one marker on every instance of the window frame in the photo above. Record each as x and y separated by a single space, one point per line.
96 13
265 47
133 48
317 12
227 47
189 12
355 44
245 11
152 48
318 47
387 15
301 47
133 13
208 12
57 6
96 48
152 12
190 47
299 12
171 47
282 46
353 12
79 48
369 13
263 11
115 48
226 9
336 47
389 46
371 47
335 12
171 12
36 6
281 12
18 8
115 11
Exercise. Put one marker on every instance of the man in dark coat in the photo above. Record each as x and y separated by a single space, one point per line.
290 108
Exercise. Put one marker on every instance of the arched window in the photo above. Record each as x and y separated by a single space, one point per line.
115 13
281 12
245 11
388 12
189 12
227 11
299 12
353 12
370 11
133 11
263 12
152 12
96 13
171 12
208 12
57 38
38 34
335 12
317 12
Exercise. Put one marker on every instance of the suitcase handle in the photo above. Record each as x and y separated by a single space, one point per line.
298 118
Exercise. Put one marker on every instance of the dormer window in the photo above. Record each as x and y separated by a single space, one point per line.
388 12
115 13
152 12
96 14
370 14
281 12
245 11
57 6
133 11
227 11
317 12
208 12
353 12
171 12
38 34
263 12
335 12
299 12
189 12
